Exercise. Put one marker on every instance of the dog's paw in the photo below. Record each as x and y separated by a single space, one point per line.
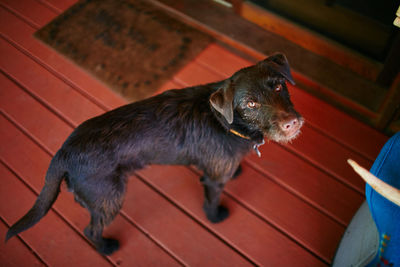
108 246
217 216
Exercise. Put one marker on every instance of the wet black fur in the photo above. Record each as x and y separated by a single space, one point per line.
188 127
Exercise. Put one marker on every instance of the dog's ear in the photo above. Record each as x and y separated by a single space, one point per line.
222 100
279 62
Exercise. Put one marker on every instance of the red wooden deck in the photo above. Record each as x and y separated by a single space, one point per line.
288 208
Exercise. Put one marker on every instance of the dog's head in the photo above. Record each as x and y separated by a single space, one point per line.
257 97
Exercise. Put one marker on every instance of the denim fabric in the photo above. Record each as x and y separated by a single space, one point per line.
385 213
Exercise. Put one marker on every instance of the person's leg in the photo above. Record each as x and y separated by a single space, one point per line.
373 236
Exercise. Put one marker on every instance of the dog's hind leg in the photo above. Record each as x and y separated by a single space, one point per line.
94 232
212 193
103 198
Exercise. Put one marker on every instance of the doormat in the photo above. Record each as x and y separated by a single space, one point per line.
130 45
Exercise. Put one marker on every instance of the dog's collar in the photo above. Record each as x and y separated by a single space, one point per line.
255 146
239 134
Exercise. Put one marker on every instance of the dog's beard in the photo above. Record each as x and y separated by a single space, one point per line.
281 137
274 133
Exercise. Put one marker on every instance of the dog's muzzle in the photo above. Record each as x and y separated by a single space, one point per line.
286 130
291 127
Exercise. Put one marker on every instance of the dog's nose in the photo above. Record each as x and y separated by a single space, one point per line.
290 125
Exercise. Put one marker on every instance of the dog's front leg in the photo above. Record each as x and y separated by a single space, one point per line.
212 193
238 172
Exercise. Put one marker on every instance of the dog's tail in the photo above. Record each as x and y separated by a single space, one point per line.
54 176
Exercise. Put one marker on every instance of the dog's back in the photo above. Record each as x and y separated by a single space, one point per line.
170 128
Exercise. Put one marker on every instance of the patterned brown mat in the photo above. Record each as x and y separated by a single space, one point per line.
130 45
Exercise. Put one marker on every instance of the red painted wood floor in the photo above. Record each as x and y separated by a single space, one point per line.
288 208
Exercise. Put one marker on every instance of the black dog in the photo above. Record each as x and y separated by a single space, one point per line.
210 126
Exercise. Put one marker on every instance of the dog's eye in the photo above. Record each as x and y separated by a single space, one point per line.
251 104
278 88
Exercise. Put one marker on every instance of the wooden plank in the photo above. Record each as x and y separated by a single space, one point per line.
286 212
39 15
178 231
329 156
221 61
316 187
57 249
21 35
16 253
193 74
189 241
54 93
20 106
337 125
243 230
18 152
